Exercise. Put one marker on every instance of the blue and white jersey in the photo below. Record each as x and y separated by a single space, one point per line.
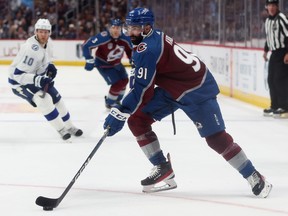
31 59
109 51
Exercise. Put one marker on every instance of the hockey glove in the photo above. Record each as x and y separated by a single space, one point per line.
89 64
41 81
51 71
115 121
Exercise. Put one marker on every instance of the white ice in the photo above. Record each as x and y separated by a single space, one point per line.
34 161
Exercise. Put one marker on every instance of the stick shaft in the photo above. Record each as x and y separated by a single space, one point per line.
46 87
84 165
49 202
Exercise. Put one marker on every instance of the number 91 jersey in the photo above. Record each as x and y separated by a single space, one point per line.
160 61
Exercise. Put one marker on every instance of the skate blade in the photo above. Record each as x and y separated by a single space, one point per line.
281 116
266 190
268 114
164 185
68 140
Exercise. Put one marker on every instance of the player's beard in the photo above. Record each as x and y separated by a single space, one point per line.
42 40
136 40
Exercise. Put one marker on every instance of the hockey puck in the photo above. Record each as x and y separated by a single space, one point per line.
45 208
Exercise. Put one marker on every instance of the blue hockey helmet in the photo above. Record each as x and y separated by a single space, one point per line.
116 22
114 28
140 16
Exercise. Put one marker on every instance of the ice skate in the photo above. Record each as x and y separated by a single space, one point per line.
64 134
268 112
75 131
260 187
160 179
280 113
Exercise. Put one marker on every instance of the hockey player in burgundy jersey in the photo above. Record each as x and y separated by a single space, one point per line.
168 78
110 46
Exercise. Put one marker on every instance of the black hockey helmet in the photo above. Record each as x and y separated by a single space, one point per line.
272 2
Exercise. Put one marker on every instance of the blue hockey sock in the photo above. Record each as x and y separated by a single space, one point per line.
158 158
247 169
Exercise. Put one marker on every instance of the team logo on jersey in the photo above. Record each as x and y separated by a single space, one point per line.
110 46
141 47
115 54
35 47
104 33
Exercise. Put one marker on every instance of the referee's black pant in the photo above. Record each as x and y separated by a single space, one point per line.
278 80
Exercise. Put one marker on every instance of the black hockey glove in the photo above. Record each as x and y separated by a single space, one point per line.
51 71
42 81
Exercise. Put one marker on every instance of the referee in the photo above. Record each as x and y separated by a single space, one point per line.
276 29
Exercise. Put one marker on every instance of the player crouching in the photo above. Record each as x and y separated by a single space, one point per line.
31 76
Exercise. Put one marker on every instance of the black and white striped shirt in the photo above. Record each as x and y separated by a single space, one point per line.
276 29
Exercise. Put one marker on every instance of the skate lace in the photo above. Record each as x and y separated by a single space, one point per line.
154 172
254 179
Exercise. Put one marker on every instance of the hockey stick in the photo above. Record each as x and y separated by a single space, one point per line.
44 91
266 75
49 203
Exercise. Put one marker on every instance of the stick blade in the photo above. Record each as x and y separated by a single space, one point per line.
47 202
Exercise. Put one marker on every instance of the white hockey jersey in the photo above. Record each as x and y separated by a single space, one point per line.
31 59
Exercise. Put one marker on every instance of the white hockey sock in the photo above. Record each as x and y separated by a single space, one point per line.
149 144
65 115
47 108
121 95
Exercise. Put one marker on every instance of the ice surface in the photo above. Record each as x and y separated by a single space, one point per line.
34 160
